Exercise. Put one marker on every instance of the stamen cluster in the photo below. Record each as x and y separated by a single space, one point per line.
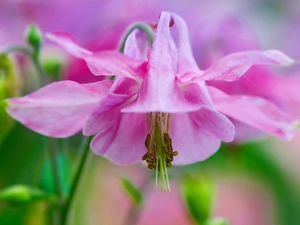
160 152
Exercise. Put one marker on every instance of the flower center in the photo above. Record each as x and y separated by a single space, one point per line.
160 152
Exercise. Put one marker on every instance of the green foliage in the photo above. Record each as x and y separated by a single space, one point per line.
132 191
198 195
53 68
216 222
47 179
23 194
10 86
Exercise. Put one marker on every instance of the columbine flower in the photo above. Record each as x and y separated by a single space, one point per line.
158 109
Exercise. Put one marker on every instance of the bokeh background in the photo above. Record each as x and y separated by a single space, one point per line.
256 179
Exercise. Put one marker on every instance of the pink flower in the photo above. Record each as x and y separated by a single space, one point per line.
233 36
162 99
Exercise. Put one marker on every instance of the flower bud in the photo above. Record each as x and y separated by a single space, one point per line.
34 37
199 195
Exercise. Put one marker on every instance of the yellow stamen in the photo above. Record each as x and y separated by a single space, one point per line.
160 152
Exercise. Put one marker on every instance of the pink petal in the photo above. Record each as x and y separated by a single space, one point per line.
105 116
214 122
114 63
207 116
59 109
160 91
109 108
137 45
197 93
233 66
68 42
123 143
256 112
193 142
102 63
186 61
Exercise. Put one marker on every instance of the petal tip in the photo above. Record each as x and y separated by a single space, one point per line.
280 58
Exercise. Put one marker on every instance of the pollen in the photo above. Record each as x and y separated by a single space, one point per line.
160 152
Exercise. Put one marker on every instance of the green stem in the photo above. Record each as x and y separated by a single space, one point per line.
34 58
142 26
22 49
39 69
53 156
75 183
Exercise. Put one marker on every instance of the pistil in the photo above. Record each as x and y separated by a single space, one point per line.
160 152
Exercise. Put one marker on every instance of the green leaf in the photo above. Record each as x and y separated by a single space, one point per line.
216 222
132 191
23 194
198 195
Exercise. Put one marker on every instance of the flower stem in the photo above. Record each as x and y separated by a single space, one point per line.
53 156
17 48
34 58
76 180
142 26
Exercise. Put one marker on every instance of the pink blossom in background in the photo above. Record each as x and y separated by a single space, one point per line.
244 203
164 208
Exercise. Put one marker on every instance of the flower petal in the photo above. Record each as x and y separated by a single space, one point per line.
68 42
113 63
207 116
256 112
137 45
214 122
109 108
123 143
59 109
160 91
233 66
102 63
192 141
186 61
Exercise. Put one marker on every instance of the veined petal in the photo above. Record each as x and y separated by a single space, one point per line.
193 142
186 61
214 122
68 42
101 63
233 66
123 143
59 109
105 116
108 110
197 93
160 91
114 63
137 46
256 112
